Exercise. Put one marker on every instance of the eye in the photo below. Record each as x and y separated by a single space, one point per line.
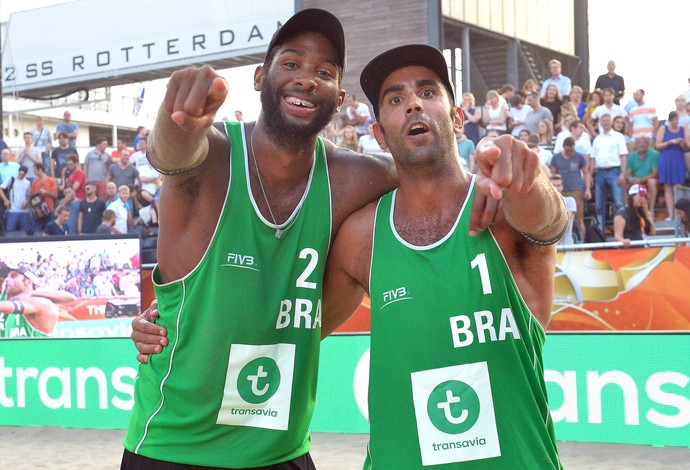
325 73
395 100
427 93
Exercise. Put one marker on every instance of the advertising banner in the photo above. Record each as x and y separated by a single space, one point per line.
609 388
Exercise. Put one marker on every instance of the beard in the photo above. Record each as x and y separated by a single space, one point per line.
283 129
422 157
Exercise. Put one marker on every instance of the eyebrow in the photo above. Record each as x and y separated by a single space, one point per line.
419 83
302 53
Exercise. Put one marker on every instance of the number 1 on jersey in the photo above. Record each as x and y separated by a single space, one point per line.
480 262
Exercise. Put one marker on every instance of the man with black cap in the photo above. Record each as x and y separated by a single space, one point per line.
247 213
477 306
22 313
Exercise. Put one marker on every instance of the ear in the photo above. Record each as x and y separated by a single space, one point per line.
458 119
341 100
380 138
259 75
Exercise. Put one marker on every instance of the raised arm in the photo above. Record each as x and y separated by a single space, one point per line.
178 139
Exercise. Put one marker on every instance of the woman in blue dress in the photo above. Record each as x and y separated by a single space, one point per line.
672 141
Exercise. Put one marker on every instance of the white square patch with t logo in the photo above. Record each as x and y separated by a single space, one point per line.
258 386
455 414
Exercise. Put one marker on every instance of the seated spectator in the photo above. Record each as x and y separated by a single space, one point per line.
571 207
565 132
683 211
58 227
635 221
107 226
544 155
530 86
349 139
465 149
576 98
517 114
368 143
524 135
643 168
546 134
149 180
573 169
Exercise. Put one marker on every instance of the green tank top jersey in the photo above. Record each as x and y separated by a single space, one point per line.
237 384
17 326
456 378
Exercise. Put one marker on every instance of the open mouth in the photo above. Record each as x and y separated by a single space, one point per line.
418 129
299 103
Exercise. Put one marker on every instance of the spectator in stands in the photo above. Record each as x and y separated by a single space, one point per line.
43 140
90 210
524 135
58 158
631 222
556 78
571 207
594 100
58 226
70 128
530 86
7 168
238 115
506 93
583 141
466 149
573 168
120 147
643 168
472 117
47 187
620 126
671 140
122 214
683 211
77 178
16 202
544 155
565 132
609 154
538 113
643 118
494 115
149 180
681 109
517 114
71 202
139 157
108 224
123 173
357 115
349 139
141 133
110 193
96 165
28 155
545 133
368 143
576 100
608 107
612 80
552 101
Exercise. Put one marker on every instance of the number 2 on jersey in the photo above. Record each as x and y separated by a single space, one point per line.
479 261
313 256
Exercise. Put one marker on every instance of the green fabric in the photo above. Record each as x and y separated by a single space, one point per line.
642 167
17 326
456 378
239 377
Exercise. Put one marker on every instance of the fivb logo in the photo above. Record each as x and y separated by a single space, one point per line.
395 295
455 414
258 386
236 260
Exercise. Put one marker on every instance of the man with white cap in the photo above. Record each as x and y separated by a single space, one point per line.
635 221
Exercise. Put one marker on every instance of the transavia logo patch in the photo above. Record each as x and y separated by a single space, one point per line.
258 386
455 414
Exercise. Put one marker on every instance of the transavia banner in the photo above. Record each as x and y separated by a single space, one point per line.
618 388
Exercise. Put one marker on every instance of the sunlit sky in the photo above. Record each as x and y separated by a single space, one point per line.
647 41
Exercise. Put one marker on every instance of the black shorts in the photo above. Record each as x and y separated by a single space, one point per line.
132 461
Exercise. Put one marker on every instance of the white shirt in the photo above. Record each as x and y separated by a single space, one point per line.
608 149
519 115
614 111
120 210
583 145
369 144
362 111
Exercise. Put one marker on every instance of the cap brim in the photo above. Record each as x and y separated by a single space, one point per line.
375 72
316 20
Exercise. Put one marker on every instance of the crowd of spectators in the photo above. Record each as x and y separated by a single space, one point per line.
598 147
48 190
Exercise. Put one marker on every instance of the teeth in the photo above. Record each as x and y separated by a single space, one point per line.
417 126
300 103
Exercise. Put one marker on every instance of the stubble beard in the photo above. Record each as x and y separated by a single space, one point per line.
285 131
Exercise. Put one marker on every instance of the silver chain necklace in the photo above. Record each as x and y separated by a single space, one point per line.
279 231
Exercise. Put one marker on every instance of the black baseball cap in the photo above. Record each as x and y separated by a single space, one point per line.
312 19
28 273
375 72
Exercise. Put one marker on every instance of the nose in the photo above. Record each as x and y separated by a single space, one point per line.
414 104
307 78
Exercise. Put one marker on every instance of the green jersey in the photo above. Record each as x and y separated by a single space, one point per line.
15 325
456 378
236 386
